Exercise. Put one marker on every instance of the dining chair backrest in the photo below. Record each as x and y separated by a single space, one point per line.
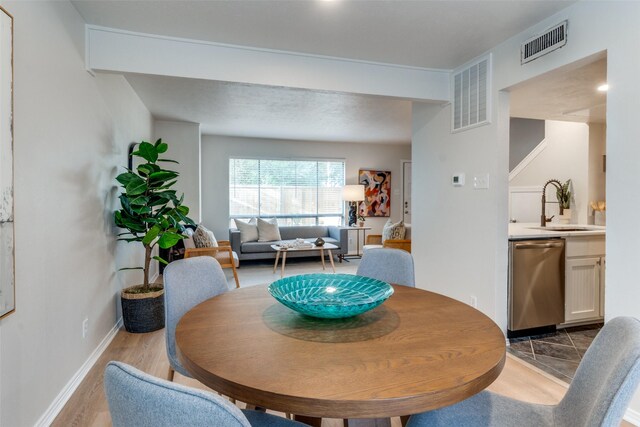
389 265
139 399
187 283
606 379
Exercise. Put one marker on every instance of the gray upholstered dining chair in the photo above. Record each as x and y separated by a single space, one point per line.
598 396
187 283
389 265
141 400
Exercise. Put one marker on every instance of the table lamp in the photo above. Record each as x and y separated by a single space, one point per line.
353 194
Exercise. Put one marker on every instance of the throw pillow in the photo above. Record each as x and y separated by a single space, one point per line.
248 230
268 230
393 231
204 238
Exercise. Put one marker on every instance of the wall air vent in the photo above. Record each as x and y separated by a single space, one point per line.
471 104
537 46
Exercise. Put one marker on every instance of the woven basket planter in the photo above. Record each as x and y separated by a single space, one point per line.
142 312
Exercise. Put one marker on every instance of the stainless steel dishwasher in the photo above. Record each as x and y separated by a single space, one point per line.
536 285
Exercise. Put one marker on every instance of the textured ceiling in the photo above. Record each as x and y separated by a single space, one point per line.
568 94
430 34
275 112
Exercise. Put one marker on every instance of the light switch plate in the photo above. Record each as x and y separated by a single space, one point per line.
481 181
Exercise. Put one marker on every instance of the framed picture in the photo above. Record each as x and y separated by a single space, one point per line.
377 193
7 264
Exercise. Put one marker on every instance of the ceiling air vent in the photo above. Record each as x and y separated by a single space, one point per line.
537 46
471 106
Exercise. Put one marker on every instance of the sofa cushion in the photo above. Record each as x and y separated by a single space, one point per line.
293 232
248 230
257 247
268 230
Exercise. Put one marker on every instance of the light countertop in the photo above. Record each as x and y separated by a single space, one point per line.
533 231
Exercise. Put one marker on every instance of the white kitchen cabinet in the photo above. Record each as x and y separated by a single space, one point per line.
584 279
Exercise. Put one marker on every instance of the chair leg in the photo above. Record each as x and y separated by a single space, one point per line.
235 276
172 373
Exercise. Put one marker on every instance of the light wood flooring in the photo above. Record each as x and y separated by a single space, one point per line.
88 405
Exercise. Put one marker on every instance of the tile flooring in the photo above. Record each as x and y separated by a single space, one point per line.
558 353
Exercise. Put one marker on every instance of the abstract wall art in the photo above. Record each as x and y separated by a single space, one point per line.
7 265
377 193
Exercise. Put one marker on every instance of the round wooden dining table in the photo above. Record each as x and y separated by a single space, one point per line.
416 352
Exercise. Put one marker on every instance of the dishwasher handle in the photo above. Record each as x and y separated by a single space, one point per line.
544 245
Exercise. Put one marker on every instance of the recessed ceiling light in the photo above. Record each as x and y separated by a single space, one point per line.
603 88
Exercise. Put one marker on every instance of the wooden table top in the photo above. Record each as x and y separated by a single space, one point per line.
418 351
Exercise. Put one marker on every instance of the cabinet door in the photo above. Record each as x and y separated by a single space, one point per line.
582 289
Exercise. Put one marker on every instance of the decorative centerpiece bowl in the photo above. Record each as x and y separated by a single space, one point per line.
330 296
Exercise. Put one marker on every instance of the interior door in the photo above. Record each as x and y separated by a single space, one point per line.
406 191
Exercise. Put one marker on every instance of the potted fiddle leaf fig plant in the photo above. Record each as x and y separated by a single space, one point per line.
153 215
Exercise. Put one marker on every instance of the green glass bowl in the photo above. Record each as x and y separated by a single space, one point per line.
330 296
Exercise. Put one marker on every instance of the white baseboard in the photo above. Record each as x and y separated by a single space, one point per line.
58 403
632 417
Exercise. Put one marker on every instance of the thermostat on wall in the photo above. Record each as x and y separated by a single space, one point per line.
457 180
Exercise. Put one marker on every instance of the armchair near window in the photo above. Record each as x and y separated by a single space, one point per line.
222 253
375 241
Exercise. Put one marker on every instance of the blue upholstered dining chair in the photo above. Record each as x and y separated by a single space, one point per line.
598 396
187 283
389 265
141 400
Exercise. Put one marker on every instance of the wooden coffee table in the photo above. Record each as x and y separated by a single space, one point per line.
280 250
416 352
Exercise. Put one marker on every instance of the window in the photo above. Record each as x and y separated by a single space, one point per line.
296 192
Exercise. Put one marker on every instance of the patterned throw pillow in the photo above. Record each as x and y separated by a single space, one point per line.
248 230
204 238
268 230
393 231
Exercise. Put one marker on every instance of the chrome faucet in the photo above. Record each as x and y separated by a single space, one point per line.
543 217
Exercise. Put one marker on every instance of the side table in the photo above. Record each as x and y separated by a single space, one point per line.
364 236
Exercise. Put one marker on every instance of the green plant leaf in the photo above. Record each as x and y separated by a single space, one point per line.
159 259
125 178
136 186
131 268
169 161
139 201
161 147
168 240
147 152
147 169
142 210
163 176
151 235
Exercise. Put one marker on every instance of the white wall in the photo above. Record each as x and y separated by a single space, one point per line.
184 147
566 156
71 136
454 228
594 27
216 151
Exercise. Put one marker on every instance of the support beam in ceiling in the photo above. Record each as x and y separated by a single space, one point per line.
114 50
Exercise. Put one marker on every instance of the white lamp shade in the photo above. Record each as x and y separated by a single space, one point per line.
353 193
